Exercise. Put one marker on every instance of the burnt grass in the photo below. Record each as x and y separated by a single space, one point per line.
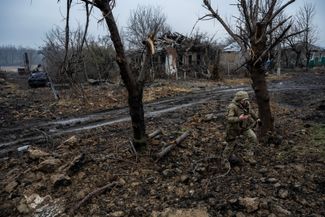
287 180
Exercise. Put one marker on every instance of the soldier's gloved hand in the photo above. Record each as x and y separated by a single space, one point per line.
243 117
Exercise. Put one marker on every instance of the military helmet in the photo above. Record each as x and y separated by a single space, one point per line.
240 95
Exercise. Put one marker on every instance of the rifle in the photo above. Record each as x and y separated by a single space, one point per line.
253 123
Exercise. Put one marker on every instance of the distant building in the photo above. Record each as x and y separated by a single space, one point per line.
295 56
231 58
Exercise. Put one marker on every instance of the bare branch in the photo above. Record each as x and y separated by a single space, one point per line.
277 41
145 20
67 33
86 25
222 22
93 3
269 13
279 25
246 16
293 34
279 10
204 18
255 14
91 194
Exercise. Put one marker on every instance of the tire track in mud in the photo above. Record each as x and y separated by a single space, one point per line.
39 132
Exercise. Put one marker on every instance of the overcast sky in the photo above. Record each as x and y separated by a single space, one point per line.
26 22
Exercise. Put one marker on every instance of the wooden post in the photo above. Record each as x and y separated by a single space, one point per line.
27 67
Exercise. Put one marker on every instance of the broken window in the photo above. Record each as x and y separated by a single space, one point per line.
198 59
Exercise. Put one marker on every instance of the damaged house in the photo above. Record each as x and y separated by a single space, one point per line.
178 56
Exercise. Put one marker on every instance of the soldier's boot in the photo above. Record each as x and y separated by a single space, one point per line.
249 158
234 160
227 152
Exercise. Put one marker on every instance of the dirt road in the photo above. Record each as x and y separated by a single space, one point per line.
302 90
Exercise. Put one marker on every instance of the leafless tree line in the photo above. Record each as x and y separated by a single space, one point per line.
95 61
143 21
303 44
13 56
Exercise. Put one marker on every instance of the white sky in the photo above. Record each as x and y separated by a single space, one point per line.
26 22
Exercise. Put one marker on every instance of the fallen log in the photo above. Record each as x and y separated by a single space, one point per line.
154 134
182 137
172 146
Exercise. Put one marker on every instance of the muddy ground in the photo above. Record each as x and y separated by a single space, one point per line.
59 171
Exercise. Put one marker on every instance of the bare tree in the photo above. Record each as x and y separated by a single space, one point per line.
253 31
56 56
53 52
134 81
96 60
65 64
295 44
309 36
100 59
143 21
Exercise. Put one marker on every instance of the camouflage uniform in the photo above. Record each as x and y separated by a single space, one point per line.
237 127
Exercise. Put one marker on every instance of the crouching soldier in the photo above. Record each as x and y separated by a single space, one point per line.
240 121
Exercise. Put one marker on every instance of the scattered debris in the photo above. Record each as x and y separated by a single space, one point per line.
170 147
97 191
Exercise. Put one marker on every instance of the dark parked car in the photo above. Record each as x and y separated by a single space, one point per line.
38 79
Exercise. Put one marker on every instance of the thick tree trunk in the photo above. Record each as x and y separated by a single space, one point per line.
259 82
137 117
135 89
262 97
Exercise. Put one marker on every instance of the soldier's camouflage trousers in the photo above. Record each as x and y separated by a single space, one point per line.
249 148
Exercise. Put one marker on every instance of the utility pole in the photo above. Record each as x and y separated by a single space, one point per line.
279 61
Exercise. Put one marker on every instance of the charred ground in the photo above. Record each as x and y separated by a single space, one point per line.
288 179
